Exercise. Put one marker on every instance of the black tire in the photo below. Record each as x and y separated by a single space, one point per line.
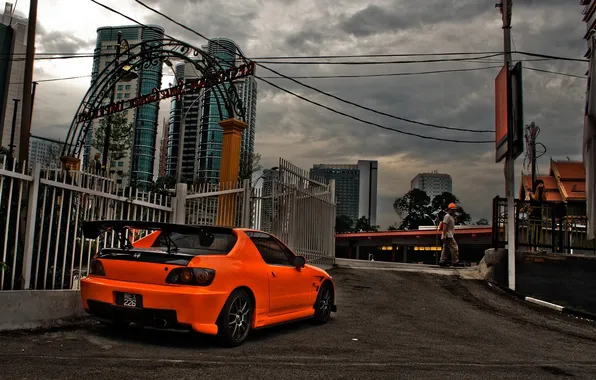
235 319
324 303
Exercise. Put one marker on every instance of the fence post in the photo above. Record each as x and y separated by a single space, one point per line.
246 204
179 204
30 228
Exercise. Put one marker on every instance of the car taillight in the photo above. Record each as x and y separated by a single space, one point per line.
191 276
96 268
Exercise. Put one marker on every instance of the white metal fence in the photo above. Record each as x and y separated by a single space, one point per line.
43 246
41 213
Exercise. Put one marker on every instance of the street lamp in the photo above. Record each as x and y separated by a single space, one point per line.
435 223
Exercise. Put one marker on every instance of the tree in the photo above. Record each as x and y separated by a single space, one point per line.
411 208
393 227
482 222
121 136
249 164
363 224
162 185
441 202
343 224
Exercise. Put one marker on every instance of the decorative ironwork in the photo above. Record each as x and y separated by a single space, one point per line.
143 56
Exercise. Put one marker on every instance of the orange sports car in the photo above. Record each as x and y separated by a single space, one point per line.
213 280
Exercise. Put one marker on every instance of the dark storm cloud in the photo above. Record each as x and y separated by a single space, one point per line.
306 134
60 42
401 15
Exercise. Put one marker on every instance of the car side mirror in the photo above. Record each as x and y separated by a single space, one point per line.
299 262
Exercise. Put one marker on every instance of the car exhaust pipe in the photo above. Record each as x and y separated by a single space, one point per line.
160 322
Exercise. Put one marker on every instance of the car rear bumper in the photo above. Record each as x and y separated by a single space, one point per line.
169 307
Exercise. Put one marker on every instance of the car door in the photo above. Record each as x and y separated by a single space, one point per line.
287 285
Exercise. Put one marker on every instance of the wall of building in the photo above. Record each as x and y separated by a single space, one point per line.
566 280
369 172
15 75
432 184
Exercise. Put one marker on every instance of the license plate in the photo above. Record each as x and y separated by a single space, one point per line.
129 300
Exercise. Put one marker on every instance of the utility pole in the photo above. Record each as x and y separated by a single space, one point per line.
532 133
14 127
506 9
26 107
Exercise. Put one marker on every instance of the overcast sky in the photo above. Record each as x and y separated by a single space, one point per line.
305 134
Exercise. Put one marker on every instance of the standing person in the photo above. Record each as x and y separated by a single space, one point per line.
537 199
448 237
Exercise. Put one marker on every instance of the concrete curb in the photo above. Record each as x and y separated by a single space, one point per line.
549 305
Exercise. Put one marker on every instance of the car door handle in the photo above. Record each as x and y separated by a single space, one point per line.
273 274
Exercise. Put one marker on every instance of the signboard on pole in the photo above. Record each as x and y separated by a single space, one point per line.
509 112
502 114
517 110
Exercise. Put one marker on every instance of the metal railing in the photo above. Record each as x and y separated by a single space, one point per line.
43 247
555 227
42 242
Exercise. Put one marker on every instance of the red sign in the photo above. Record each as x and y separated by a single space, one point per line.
501 112
183 87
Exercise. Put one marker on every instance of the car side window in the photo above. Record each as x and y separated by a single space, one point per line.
271 251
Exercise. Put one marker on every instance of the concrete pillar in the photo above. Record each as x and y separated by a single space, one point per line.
357 252
393 252
405 254
229 168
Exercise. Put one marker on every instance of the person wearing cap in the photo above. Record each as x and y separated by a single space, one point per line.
448 237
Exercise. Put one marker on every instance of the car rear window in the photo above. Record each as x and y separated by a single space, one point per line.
190 244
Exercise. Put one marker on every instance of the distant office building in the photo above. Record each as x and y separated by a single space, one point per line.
45 152
433 183
355 188
137 168
13 43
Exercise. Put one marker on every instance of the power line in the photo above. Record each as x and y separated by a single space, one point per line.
378 62
372 123
385 75
325 93
315 89
555 72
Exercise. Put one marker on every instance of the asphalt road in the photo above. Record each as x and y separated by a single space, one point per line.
390 325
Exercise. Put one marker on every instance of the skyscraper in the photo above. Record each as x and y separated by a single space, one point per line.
433 183
13 43
137 167
200 112
355 188
210 139
187 109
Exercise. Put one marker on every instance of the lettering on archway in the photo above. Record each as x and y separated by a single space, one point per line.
183 87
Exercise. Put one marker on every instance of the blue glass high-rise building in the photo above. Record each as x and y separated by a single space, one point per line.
137 167
210 138
203 136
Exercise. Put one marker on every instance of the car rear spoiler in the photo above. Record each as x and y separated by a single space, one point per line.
93 229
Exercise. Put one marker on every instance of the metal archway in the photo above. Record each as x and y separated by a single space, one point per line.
145 55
